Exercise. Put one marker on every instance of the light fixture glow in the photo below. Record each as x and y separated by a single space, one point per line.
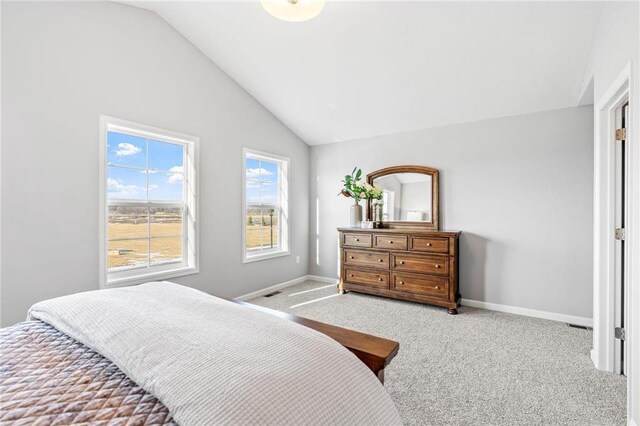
293 10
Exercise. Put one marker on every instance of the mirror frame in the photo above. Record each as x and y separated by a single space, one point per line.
435 212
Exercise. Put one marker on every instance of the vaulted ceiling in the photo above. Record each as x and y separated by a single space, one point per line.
363 69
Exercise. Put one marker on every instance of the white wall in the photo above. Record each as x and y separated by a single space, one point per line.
416 196
520 189
617 44
66 63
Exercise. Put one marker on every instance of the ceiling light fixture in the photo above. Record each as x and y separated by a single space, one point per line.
293 10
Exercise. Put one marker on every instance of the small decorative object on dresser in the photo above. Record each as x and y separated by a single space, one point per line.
353 188
407 259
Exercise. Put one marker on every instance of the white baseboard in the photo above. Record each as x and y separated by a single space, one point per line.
318 278
583 321
273 288
587 322
286 284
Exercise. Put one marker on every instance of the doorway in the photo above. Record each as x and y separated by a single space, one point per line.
616 236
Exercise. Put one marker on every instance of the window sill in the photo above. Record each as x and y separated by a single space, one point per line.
151 276
265 256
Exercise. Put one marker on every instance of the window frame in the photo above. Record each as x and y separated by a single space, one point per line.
284 219
190 237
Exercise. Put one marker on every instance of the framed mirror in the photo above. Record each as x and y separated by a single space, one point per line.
409 196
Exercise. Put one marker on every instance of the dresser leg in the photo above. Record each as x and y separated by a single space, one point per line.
452 311
341 289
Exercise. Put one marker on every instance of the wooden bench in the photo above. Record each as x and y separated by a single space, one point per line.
375 352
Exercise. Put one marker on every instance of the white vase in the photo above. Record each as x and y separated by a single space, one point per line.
356 216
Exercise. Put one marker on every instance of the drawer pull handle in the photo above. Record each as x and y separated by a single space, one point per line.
380 260
350 257
402 262
401 282
437 288
350 275
357 239
437 266
390 242
379 279
428 244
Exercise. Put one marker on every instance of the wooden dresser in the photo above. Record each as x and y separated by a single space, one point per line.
413 264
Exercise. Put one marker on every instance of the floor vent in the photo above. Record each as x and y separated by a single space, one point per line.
272 294
581 327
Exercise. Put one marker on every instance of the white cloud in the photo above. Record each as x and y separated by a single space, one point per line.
258 171
176 175
153 187
118 190
125 149
257 183
112 184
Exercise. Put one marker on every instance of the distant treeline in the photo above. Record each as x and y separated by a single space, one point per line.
264 215
126 214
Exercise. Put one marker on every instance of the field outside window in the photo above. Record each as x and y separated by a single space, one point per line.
265 221
149 216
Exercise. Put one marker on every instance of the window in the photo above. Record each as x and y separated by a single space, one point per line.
266 202
387 205
149 212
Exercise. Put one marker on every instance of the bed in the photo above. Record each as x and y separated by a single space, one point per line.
160 353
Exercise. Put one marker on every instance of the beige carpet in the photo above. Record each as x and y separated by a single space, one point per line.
477 368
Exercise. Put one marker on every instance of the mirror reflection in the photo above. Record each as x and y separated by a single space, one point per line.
406 197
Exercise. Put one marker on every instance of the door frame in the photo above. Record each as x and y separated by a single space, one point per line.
604 309
621 161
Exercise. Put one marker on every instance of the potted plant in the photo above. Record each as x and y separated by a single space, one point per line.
353 188
375 195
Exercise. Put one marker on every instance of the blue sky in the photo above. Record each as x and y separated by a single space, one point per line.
262 181
130 180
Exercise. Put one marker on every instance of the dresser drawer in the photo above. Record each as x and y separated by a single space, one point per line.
356 240
370 259
429 244
390 242
373 279
420 284
437 265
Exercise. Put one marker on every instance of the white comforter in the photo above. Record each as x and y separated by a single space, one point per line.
213 362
